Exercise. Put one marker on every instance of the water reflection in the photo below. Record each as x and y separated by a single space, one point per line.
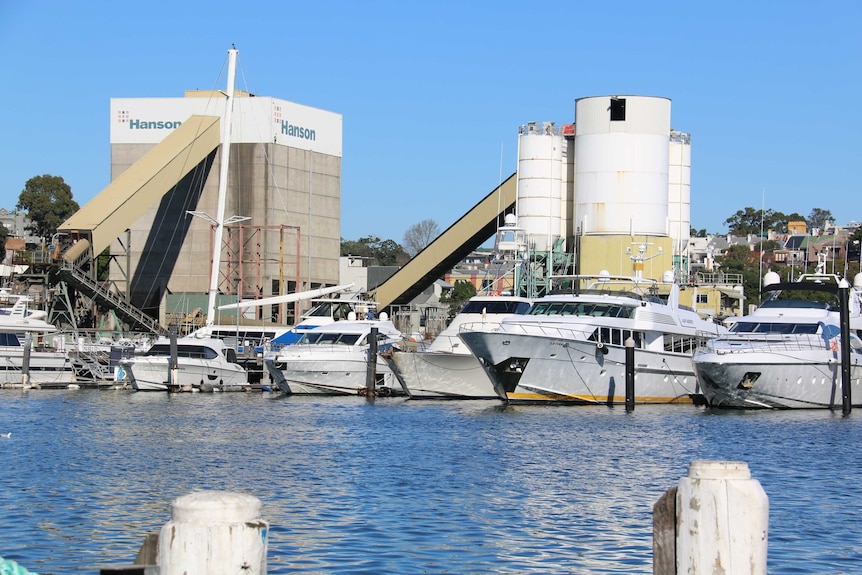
394 486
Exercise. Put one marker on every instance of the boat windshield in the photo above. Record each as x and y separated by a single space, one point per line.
329 338
594 309
336 310
493 306
773 327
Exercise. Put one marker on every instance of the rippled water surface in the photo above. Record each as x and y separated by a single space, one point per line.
399 486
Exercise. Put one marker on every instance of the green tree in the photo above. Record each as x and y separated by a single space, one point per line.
4 233
382 252
461 292
741 260
747 221
48 202
818 218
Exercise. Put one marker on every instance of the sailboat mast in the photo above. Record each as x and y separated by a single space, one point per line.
222 188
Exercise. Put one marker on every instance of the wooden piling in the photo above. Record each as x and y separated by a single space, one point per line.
371 373
844 323
25 361
664 534
630 374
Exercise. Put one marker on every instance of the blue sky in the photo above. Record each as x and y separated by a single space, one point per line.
432 93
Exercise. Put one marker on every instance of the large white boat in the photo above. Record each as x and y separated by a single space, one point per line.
26 340
203 364
332 359
570 346
447 369
787 353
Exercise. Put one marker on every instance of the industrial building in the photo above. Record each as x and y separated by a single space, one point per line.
607 192
282 206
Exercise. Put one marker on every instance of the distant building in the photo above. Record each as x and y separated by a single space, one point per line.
15 223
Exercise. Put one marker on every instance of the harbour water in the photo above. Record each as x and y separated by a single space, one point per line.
397 486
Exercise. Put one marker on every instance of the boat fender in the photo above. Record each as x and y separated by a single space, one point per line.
601 347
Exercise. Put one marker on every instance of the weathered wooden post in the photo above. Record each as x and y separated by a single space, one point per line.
630 373
173 363
214 532
722 520
25 361
371 373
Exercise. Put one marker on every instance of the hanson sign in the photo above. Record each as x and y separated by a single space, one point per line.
255 120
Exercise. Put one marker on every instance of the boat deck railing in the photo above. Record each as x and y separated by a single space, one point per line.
533 328
762 342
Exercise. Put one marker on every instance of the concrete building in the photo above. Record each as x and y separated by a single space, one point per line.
284 176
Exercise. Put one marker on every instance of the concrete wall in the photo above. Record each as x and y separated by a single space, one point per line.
285 191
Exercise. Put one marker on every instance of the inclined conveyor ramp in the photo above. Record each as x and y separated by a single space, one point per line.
453 245
143 185
107 216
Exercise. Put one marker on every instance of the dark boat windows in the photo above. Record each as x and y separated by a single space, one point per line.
329 338
773 327
593 309
9 340
497 307
613 336
335 310
191 351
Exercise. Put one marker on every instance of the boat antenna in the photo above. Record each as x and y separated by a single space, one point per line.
762 207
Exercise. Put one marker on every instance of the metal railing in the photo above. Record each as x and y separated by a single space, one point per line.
771 343
113 300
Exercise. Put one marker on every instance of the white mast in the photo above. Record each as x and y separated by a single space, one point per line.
219 221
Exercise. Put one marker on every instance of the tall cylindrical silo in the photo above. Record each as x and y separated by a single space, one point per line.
679 190
621 172
540 167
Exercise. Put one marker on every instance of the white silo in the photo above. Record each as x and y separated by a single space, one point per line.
679 190
540 184
621 173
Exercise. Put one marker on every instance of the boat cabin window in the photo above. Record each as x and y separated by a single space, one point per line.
502 306
770 327
677 343
190 351
230 354
615 336
593 309
9 340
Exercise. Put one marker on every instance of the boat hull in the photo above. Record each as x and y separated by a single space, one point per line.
45 367
440 375
546 369
338 374
152 374
758 380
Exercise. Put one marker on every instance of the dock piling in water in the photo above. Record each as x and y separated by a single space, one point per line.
716 521
214 532
630 374
371 374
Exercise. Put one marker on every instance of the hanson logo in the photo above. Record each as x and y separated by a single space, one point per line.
135 124
297 131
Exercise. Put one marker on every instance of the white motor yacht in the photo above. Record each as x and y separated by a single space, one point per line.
332 359
447 369
27 340
570 346
203 364
787 353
